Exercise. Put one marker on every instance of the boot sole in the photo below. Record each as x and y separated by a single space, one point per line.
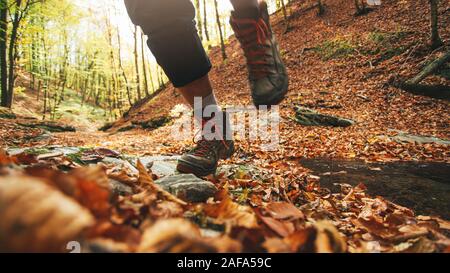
199 171
276 98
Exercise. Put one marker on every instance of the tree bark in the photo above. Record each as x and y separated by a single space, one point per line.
435 38
199 19
3 61
219 25
205 24
144 65
124 75
136 63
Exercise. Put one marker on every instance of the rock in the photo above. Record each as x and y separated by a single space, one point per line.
106 126
161 165
308 117
188 187
120 188
403 137
127 128
154 123
42 137
7 113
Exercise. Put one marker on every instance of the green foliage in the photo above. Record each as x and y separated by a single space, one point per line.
338 47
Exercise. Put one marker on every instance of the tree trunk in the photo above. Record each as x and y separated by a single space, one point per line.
199 19
205 24
136 63
124 75
12 59
144 66
219 25
435 38
3 61
322 8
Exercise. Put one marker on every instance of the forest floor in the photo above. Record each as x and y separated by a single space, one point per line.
339 65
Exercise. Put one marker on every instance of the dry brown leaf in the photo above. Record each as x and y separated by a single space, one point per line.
146 181
37 218
123 174
174 236
284 211
232 213
282 228
329 240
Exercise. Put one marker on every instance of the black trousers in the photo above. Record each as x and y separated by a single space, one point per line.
172 37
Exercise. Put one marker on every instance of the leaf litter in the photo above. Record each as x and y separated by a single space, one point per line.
43 208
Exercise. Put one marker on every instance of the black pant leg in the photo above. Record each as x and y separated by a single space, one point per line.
173 38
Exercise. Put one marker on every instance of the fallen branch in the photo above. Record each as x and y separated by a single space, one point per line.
433 91
429 69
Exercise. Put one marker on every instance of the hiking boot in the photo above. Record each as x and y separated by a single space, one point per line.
268 77
203 159
216 143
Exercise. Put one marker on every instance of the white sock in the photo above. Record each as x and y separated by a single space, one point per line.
216 123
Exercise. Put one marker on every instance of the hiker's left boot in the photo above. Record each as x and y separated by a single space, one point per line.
268 77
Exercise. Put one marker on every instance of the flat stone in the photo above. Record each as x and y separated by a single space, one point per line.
161 165
403 137
120 188
308 117
188 187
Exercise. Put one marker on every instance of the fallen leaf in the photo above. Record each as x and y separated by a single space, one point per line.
38 218
284 211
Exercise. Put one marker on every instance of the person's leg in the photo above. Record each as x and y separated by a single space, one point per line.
246 8
174 42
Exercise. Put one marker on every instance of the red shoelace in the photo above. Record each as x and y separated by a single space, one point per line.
253 35
204 146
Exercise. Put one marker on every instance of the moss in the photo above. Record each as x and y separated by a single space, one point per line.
37 151
384 44
338 47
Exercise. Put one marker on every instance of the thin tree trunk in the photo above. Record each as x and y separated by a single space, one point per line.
12 57
144 66
136 63
124 75
205 24
219 25
435 38
3 61
199 19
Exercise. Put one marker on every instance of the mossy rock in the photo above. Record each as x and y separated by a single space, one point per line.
154 123
308 117
7 113
127 128
106 126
